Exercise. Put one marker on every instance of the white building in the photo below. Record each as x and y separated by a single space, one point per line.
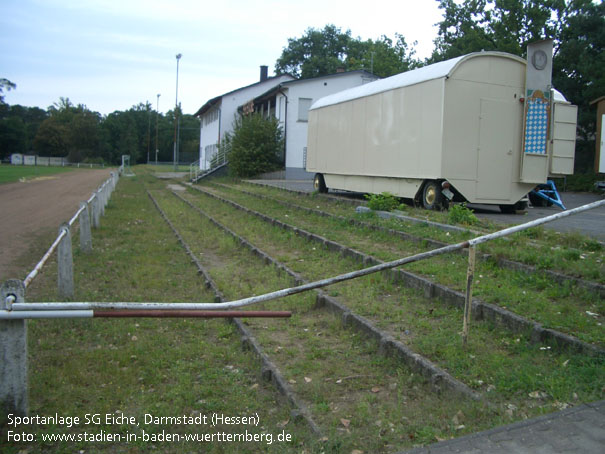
290 100
217 114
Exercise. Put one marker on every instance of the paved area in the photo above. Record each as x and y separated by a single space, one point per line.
578 430
591 223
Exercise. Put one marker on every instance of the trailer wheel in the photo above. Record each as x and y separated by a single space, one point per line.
432 199
319 184
508 209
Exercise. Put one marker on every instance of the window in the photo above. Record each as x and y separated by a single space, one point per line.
211 117
304 104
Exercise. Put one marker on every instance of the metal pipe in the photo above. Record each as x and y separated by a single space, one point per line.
534 223
305 287
242 302
30 277
37 314
18 315
72 221
194 314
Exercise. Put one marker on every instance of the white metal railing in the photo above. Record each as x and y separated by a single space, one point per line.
97 201
194 170
219 158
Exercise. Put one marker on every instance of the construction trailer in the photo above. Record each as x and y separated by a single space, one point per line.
482 128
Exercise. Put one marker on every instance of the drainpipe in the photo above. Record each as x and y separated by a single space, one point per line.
285 123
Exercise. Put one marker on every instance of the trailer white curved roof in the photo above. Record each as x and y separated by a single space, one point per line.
416 76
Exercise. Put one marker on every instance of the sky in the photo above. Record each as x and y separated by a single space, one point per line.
110 55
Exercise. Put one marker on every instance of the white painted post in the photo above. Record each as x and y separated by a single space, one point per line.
13 353
85 234
65 264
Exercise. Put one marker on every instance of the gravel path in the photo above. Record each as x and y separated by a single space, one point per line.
33 207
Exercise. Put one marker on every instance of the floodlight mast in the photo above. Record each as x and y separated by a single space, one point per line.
157 114
176 112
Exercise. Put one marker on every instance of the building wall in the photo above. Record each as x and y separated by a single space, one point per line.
228 106
209 136
301 95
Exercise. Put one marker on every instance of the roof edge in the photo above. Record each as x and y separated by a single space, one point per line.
435 71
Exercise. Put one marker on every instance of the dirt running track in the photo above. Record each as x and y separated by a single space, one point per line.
38 206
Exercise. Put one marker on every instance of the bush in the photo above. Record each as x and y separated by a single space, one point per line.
460 214
382 202
255 146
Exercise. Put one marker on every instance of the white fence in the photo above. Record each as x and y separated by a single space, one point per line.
19 159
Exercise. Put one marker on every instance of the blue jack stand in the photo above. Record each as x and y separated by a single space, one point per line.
547 192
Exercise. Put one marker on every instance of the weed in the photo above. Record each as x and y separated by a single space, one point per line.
460 214
382 202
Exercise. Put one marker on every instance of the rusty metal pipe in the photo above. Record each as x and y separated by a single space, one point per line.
192 314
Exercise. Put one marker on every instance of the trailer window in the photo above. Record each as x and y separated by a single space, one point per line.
304 104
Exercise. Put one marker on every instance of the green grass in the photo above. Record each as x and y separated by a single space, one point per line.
433 329
333 369
561 307
164 367
11 174
570 253
361 400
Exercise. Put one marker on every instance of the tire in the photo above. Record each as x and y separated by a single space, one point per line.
536 201
319 184
432 199
508 209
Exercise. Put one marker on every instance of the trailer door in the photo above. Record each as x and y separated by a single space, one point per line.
495 153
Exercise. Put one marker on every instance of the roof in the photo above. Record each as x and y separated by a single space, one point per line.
416 76
274 90
214 101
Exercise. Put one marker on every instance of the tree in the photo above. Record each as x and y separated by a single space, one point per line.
18 127
323 52
7 85
13 137
506 26
51 139
577 28
255 146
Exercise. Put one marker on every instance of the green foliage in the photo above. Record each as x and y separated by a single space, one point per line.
382 202
7 85
460 214
323 52
255 146
576 26
85 136
579 182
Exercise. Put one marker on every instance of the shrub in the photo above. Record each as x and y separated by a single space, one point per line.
382 202
255 146
460 214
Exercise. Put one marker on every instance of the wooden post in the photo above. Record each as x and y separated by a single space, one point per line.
468 302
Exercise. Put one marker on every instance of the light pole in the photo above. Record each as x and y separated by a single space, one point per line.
157 114
176 112
148 106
